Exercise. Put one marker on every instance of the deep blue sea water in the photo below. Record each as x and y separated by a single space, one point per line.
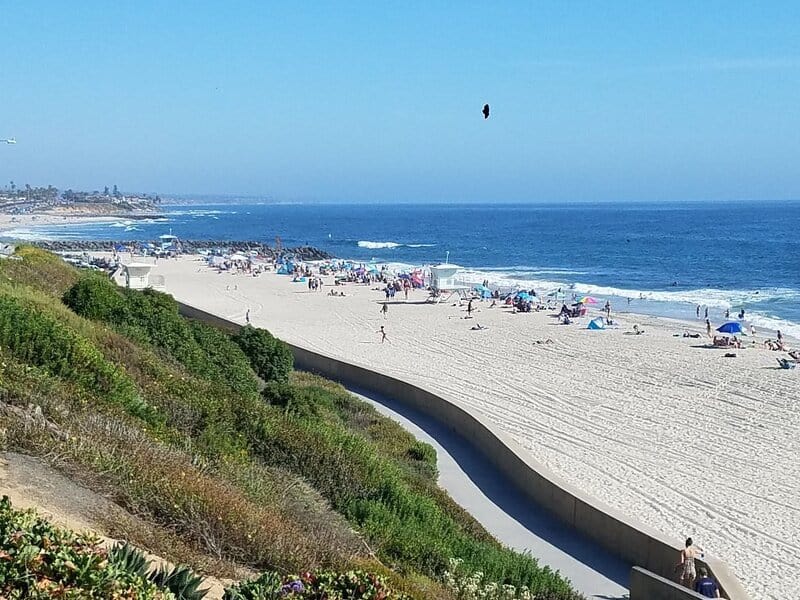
667 258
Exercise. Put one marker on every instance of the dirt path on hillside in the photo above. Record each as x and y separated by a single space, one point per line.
31 483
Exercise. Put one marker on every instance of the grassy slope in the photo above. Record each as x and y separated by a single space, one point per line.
207 459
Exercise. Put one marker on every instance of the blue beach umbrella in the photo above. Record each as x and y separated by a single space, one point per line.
731 327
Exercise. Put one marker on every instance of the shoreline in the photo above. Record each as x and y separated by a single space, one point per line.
610 413
11 222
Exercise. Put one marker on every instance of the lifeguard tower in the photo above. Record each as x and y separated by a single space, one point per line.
444 283
137 277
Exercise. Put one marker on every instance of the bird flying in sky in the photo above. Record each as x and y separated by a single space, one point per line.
485 111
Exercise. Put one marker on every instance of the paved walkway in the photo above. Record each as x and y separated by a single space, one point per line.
505 512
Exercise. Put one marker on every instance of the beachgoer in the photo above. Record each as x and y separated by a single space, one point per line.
780 337
698 311
405 291
705 585
608 310
382 331
708 328
706 315
247 316
687 566
384 310
753 330
469 308
629 301
728 313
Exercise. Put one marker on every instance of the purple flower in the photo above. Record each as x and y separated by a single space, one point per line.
294 587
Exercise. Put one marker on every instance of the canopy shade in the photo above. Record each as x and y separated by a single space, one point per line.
731 327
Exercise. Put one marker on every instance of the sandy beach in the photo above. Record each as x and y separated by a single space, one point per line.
11 223
657 425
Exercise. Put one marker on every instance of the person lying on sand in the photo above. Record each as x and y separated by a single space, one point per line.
478 327
636 331
547 341
686 334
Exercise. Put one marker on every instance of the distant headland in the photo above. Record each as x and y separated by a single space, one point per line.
110 202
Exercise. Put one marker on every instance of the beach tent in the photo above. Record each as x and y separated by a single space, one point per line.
596 324
483 291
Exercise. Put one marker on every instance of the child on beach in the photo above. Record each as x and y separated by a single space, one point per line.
384 310
382 331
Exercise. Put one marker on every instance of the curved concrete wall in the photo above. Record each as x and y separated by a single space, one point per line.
620 535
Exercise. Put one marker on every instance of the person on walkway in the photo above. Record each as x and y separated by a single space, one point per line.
382 331
705 585
687 566
384 310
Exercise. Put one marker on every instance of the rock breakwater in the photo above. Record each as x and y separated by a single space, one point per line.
188 247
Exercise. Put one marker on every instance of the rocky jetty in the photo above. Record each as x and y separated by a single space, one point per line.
188 247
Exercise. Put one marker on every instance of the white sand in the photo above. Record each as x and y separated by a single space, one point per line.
11 223
675 435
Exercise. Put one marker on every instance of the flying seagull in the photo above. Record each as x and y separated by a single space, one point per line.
485 111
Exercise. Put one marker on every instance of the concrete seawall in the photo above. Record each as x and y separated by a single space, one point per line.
632 541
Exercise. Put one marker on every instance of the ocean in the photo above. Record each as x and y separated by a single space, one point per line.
661 259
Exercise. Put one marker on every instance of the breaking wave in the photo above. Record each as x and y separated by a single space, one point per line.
380 245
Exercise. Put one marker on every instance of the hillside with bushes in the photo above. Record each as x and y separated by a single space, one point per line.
234 461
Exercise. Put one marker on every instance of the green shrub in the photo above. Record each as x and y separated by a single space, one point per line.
95 297
270 358
151 317
38 338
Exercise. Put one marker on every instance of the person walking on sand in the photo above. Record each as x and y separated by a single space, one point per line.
698 311
687 566
247 316
706 315
384 310
469 309
708 328
608 310
382 331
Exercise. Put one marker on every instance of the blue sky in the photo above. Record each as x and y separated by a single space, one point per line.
378 101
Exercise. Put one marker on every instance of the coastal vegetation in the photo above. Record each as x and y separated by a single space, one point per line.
236 463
